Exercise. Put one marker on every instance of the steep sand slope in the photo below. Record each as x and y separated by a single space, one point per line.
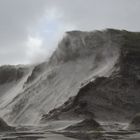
80 58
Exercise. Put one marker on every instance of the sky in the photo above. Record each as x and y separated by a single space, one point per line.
31 29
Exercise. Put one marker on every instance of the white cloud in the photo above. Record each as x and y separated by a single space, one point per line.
34 42
35 49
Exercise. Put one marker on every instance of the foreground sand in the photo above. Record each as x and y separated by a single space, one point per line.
55 131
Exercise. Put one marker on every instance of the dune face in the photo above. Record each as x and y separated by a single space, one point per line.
110 57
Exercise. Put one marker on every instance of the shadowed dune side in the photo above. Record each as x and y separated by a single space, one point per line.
4 126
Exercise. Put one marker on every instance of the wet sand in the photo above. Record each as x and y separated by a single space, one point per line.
55 131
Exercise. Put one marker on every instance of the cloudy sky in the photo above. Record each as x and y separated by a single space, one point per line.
30 29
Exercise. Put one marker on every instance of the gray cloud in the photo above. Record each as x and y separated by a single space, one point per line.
17 18
20 19
93 14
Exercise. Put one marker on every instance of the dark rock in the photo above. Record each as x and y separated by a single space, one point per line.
55 113
86 125
4 126
10 73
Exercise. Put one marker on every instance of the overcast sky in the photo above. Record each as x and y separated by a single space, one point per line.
30 29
